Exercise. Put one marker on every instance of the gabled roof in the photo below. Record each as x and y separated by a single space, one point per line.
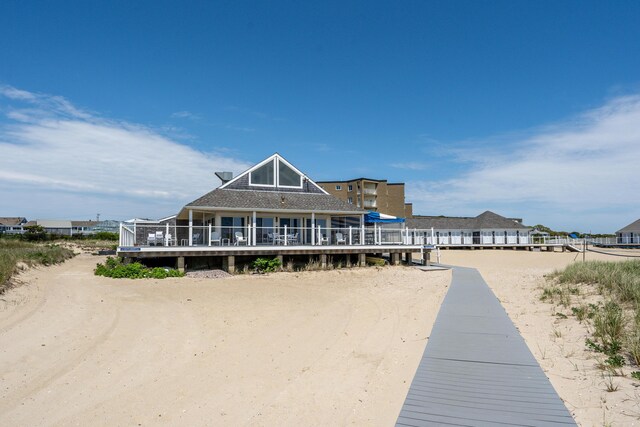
12 220
634 227
240 194
248 200
242 181
486 220
54 223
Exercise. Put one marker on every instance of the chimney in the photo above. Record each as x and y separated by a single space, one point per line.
225 176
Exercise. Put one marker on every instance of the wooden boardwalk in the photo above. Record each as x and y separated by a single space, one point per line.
477 370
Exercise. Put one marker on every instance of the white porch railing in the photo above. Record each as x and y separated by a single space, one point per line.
127 236
287 235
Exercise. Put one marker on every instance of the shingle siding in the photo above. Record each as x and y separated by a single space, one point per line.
242 183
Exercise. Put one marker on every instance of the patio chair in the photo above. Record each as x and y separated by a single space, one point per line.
215 237
340 239
151 239
159 238
195 238
169 240
240 239
322 239
292 238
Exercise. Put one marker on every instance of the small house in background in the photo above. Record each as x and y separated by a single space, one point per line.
487 228
629 234
12 225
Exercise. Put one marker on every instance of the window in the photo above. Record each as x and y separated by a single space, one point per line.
264 175
350 187
287 177
350 200
338 187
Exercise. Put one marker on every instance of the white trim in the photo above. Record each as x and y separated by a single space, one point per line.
275 175
274 157
300 174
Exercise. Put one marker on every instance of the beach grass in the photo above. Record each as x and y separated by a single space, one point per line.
615 320
13 251
621 280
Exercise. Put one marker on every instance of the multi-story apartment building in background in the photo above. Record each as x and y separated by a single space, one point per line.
371 194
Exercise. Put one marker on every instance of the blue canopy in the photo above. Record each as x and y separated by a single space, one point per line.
378 217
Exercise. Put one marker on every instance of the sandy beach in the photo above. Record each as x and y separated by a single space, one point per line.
316 348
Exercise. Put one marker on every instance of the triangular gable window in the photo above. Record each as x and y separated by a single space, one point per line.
287 177
264 175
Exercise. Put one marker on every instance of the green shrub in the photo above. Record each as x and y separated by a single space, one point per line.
266 265
115 268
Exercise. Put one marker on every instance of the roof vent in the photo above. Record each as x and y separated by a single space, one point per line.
225 176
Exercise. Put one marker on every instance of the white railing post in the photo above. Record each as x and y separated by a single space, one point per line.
362 241
286 236
350 235
313 234
209 234
190 227
120 236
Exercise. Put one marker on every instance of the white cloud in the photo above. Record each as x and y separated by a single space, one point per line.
415 166
580 173
57 152
185 115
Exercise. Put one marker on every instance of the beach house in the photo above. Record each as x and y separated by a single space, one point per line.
629 234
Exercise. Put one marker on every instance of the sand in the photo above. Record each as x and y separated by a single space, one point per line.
516 277
314 348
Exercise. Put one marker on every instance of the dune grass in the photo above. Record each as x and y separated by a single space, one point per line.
616 321
13 251
620 280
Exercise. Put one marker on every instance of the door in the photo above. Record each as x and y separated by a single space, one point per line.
476 237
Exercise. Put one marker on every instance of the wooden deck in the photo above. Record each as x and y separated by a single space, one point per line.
477 370
175 251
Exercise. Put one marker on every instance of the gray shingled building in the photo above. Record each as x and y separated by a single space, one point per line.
487 228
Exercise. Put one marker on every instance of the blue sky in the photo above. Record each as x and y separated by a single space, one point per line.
529 109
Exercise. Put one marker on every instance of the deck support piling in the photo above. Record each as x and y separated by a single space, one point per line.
280 258
229 264
426 258
395 258
408 258
180 264
323 261
362 260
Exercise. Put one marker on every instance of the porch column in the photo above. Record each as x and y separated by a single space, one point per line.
190 227
253 232
313 228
